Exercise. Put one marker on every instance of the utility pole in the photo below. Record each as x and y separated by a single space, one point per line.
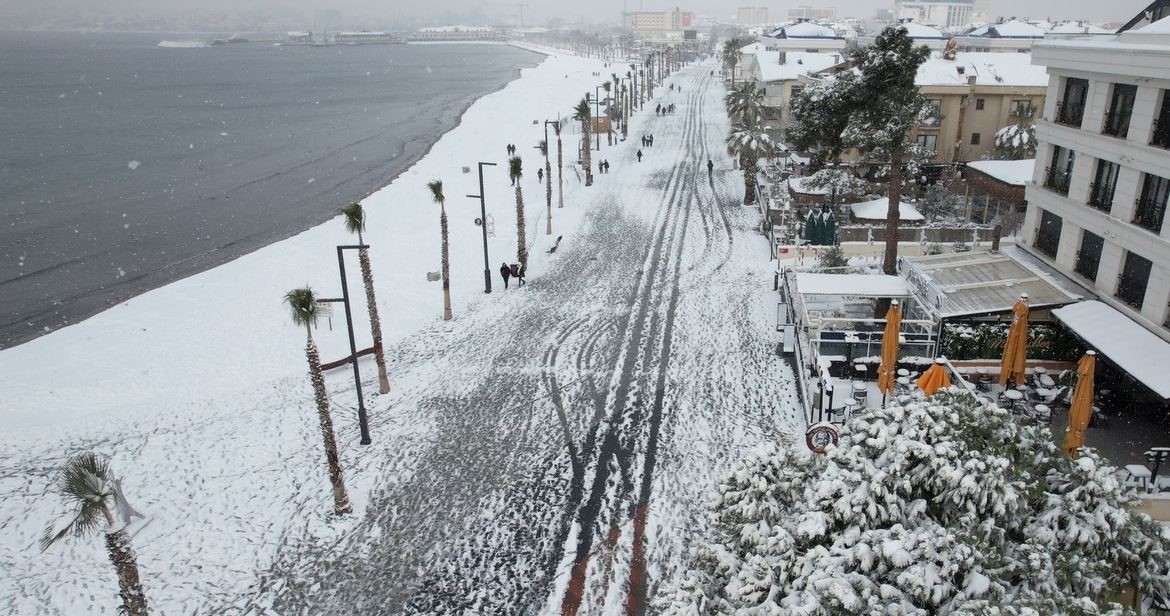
482 222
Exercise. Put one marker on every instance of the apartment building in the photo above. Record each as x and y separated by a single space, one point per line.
751 15
941 13
1098 199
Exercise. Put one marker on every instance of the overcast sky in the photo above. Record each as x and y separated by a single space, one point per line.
593 10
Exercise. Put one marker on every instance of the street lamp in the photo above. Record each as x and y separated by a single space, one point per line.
597 106
482 222
363 421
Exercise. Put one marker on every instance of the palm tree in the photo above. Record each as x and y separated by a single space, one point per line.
515 172
303 304
543 147
355 222
732 55
749 143
609 133
745 104
583 114
94 494
436 187
560 165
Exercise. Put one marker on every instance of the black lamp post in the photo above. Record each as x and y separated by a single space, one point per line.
597 106
363 421
482 222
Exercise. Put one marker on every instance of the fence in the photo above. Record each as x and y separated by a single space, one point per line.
942 235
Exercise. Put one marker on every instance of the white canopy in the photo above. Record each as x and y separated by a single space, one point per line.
852 285
877 209
1134 349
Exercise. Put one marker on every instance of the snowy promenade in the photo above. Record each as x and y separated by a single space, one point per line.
533 452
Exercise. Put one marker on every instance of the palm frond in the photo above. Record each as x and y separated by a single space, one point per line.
86 483
582 111
515 170
302 303
436 187
355 217
542 145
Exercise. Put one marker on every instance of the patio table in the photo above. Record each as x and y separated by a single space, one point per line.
1046 381
1139 474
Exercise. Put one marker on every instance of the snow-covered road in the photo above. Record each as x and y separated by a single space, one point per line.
562 442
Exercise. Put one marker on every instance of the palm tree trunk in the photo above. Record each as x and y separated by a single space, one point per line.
446 261
560 172
341 504
375 321
521 240
890 262
586 157
548 192
126 565
748 163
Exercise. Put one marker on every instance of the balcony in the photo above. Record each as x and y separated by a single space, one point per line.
1160 135
1116 123
1148 214
1069 115
1057 180
1101 197
1087 267
1130 292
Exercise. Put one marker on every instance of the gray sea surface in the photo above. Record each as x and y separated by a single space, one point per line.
125 165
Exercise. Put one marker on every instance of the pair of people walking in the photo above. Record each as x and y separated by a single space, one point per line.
648 141
516 271
511 149
603 166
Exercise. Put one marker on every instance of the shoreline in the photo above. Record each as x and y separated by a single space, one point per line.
117 294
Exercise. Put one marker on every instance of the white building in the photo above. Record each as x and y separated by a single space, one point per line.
805 36
1009 36
751 15
921 34
941 13
1098 199
778 74
670 20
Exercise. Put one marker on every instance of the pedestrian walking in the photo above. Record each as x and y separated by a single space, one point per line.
650 139
639 155
539 174
523 271
710 169
506 273
658 109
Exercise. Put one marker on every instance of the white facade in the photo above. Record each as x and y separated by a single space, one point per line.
943 14
752 15
1099 216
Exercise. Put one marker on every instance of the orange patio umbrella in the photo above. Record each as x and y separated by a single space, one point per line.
890 349
935 378
1082 405
1015 349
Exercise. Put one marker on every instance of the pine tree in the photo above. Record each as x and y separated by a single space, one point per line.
947 506
1017 141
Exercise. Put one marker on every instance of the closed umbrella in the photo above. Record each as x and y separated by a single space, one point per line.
890 349
810 229
830 228
1082 405
935 378
1015 349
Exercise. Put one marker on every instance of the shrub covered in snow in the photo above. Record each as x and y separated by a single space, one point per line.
941 507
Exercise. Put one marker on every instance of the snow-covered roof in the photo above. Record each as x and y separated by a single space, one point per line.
989 69
805 29
797 185
1014 172
1015 29
1134 349
795 64
854 285
1162 26
921 31
977 283
1076 27
978 31
876 210
752 49
456 29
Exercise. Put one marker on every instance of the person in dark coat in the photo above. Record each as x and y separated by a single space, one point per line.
506 272
539 174
639 155
710 168
520 275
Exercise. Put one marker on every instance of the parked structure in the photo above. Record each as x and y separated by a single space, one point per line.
1098 202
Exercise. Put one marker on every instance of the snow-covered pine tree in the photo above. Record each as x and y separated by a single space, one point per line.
940 507
1017 141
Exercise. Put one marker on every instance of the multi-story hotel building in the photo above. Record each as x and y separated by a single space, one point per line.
1097 203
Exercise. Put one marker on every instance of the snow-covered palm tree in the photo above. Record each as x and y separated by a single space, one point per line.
745 104
515 172
560 166
584 114
355 222
543 147
749 144
303 305
436 187
94 495
731 54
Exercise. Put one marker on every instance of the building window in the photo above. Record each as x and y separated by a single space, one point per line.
1022 108
1048 233
1160 136
1071 108
976 138
1059 172
1104 183
929 142
1089 256
1151 203
979 104
1120 110
1135 275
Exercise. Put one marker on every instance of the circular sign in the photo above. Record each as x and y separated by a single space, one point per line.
819 436
478 222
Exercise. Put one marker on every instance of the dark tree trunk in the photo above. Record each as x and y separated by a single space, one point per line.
341 504
748 164
126 565
586 155
521 239
560 172
375 321
890 261
446 265
548 190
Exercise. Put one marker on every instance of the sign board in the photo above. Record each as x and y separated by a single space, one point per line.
325 310
819 436
600 125
690 35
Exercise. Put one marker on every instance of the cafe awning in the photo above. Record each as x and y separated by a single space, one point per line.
852 285
1131 347
978 283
